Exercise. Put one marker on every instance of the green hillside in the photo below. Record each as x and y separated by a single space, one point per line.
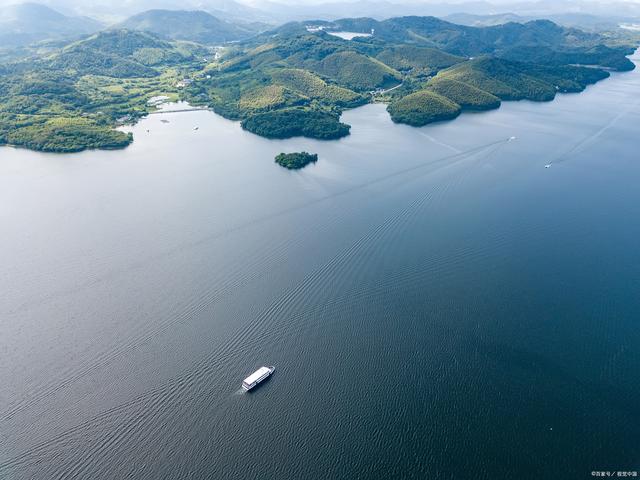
122 54
600 55
423 107
267 98
356 71
504 79
480 84
465 95
313 87
415 59
317 74
72 99
326 71
471 41
509 80
296 123
59 134
538 41
291 81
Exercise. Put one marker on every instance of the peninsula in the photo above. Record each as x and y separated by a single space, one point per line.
295 80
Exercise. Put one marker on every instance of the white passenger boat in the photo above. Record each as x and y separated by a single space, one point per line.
257 377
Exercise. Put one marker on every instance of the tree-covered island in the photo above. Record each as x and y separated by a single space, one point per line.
293 80
296 160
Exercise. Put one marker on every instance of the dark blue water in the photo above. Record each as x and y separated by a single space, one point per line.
437 303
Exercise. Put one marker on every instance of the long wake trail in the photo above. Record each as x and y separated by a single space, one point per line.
173 387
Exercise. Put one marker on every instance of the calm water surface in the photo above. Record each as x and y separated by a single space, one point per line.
438 304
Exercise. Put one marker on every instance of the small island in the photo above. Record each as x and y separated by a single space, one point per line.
296 160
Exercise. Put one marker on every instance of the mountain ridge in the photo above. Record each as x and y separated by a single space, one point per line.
192 25
26 23
294 80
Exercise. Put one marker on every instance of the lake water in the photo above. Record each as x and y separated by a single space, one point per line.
437 303
349 35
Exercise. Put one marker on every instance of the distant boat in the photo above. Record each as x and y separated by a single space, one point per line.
257 377
196 128
548 165
511 139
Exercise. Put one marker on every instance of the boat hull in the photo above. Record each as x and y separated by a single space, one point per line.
257 377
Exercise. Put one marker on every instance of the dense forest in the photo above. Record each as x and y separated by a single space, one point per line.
72 99
297 122
294 80
315 71
297 160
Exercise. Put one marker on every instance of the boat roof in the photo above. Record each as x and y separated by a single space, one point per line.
256 375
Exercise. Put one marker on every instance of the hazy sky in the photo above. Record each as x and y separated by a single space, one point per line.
497 2
257 3
115 4
110 11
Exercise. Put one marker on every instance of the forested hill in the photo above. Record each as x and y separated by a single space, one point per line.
471 41
26 23
439 69
297 79
195 26
71 100
113 53
527 41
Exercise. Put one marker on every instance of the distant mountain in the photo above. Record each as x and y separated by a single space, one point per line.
575 20
378 9
121 54
279 11
472 20
196 26
110 53
538 41
27 23
463 40
381 9
112 12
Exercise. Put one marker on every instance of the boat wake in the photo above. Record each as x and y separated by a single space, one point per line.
126 418
592 137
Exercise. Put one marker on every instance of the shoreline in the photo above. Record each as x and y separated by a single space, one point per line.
186 107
